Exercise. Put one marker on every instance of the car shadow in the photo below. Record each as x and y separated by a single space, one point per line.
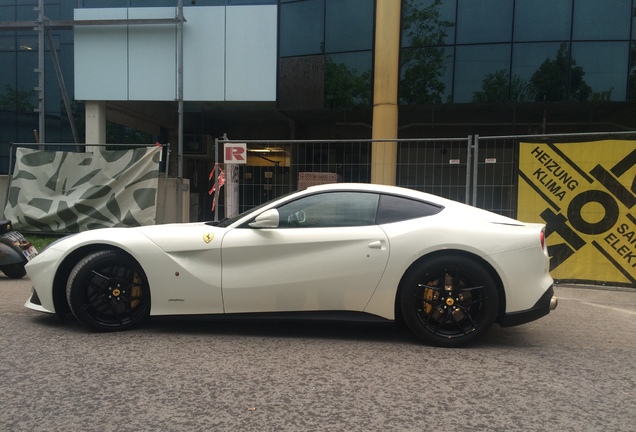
496 337
280 328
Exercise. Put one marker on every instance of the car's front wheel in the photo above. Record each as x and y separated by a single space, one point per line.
449 301
108 291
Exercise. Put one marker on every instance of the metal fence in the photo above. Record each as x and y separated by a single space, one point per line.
439 166
478 170
496 166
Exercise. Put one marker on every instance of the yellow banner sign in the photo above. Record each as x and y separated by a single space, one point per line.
586 195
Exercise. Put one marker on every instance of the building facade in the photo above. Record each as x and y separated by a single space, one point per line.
465 67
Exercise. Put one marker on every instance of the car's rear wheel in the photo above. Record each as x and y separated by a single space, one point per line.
108 291
449 301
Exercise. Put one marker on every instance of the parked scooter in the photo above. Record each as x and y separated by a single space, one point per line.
15 251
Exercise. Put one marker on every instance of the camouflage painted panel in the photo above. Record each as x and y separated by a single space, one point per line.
71 192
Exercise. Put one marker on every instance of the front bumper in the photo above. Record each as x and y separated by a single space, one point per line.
34 303
541 308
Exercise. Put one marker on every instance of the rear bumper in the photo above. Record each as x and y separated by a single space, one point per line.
542 307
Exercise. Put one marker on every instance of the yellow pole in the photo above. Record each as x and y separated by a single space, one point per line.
385 91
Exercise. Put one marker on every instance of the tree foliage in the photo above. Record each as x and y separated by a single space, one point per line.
556 79
16 100
495 88
345 87
423 65
560 79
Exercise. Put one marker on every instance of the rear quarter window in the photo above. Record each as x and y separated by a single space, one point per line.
396 209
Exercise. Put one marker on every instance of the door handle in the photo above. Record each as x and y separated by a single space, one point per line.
375 244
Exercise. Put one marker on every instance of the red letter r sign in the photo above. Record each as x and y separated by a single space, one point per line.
235 153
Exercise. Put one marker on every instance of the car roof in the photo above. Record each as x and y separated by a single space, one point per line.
368 187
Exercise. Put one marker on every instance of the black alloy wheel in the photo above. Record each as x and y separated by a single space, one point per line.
108 291
449 301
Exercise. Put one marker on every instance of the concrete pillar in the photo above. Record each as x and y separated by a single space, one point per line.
385 91
95 123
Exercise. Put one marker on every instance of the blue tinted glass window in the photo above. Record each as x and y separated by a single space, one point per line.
558 78
7 135
25 13
52 11
154 3
27 41
531 71
542 20
104 3
26 82
426 75
7 13
205 3
480 21
66 11
594 20
526 58
632 72
250 2
428 22
537 66
7 43
482 73
348 80
302 28
605 68
349 25
8 80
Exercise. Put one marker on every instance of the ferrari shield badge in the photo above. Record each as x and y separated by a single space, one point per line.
207 237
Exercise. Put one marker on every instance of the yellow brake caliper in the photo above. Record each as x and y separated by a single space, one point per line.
429 294
135 291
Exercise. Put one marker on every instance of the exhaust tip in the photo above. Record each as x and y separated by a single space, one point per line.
554 302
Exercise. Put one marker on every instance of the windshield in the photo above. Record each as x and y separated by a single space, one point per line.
226 222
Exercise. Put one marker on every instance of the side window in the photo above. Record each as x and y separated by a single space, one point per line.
330 209
395 209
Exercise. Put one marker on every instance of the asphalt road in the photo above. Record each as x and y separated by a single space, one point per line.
574 370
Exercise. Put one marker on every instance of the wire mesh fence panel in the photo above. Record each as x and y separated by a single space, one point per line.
482 171
496 166
275 168
439 167
496 163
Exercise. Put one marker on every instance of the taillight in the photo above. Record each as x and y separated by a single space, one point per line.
542 240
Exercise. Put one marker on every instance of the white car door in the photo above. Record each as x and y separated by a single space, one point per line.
305 264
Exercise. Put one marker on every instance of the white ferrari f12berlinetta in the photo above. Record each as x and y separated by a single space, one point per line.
338 251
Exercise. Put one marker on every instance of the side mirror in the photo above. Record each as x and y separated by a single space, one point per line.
267 219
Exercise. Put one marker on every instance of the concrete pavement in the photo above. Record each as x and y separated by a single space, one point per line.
573 370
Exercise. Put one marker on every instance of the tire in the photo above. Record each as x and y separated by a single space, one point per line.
449 301
108 291
14 271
